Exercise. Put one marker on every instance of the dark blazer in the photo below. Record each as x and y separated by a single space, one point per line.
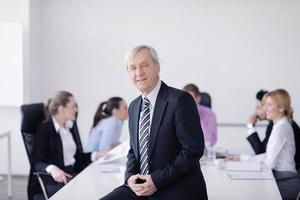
260 146
176 144
48 149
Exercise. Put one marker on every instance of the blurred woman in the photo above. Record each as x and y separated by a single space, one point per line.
107 126
56 147
281 148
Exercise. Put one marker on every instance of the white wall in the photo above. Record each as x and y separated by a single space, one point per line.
15 11
229 48
25 13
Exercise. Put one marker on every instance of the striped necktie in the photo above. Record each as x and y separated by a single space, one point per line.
144 126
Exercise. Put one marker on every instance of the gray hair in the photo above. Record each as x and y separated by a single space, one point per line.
136 49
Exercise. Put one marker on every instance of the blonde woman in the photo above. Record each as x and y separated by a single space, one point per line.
281 148
56 146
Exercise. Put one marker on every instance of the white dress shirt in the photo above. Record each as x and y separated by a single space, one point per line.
281 148
152 96
68 144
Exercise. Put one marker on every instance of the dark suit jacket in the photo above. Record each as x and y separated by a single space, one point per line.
176 144
48 149
260 146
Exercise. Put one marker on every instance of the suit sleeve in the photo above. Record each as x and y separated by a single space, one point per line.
190 136
132 166
41 147
256 144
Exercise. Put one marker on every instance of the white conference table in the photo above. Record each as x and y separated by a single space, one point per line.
93 183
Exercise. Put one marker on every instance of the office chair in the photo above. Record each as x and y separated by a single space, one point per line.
32 116
205 99
297 144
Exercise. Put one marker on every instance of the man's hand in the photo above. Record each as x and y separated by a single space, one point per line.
252 119
135 187
59 175
147 188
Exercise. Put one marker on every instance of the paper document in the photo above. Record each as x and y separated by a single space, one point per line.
117 153
243 166
110 169
243 175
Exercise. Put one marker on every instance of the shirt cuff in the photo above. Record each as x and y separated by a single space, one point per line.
49 168
251 129
93 156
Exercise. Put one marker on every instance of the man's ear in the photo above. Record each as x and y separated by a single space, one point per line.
198 99
157 68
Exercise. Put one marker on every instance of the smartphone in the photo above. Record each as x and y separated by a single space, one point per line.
140 181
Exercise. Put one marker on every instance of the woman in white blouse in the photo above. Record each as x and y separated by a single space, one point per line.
107 126
281 148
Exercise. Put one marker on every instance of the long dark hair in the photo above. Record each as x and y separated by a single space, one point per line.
105 109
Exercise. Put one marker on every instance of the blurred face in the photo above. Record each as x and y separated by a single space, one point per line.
122 112
69 111
144 73
274 111
260 110
196 98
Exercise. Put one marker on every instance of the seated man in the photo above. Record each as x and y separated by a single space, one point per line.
207 116
259 115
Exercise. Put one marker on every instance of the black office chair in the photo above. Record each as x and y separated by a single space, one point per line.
205 99
297 144
32 116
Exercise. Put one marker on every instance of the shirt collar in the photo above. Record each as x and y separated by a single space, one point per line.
68 125
281 121
56 124
153 94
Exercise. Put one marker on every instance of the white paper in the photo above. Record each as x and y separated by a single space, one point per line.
243 166
117 153
244 175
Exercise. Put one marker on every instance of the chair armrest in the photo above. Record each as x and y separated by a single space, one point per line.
39 174
287 177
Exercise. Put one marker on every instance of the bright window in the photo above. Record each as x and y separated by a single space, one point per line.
11 64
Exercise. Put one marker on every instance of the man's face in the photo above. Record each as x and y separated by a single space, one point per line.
144 73
260 110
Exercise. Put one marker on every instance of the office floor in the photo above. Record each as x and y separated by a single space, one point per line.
19 184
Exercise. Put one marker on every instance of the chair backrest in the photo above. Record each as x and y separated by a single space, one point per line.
205 99
296 130
32 116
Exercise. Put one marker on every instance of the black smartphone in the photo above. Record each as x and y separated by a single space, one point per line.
140 181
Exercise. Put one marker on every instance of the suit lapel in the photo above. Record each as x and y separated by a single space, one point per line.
58 143
158 112
135 121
